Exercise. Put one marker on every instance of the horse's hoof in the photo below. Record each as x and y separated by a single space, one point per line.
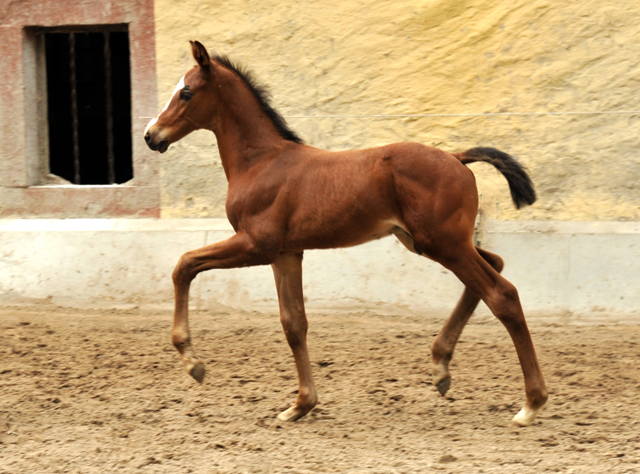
198 372
525 416
291 414
444 385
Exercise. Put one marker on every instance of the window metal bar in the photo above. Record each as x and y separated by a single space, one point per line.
74 108
109 107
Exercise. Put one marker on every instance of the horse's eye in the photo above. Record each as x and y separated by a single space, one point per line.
185 95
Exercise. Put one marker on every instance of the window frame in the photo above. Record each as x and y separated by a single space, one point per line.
25 190
45 174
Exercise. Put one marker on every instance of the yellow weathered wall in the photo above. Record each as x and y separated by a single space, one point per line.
430 56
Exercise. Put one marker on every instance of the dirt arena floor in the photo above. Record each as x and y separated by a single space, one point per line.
97 391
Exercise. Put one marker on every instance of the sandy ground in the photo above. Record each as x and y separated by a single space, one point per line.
96 391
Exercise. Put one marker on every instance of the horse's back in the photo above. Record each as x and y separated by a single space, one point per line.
338 199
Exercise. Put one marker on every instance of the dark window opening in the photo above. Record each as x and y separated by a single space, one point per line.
89 104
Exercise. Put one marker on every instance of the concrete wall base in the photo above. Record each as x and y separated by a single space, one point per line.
560 268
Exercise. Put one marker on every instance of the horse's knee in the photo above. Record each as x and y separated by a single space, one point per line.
183 273
295 328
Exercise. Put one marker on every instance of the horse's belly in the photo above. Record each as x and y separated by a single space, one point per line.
338 236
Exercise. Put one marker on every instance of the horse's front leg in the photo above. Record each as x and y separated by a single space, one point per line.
287 269
236 251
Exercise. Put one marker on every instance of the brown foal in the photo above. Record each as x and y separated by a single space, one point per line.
285 197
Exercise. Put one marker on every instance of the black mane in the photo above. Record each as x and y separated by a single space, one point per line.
263 96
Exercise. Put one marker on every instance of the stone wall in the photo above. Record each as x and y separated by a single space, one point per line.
430 57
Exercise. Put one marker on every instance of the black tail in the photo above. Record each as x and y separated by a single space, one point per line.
520 184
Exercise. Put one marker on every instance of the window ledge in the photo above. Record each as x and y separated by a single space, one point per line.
83 186
70 201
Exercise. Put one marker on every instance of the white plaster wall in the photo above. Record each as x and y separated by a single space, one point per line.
559 267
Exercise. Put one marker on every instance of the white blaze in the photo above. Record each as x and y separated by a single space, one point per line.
178 88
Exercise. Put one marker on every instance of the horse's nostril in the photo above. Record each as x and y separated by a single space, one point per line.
147 138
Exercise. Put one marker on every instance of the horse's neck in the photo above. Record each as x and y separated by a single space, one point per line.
243 132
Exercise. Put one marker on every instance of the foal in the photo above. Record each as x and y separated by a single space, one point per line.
285 197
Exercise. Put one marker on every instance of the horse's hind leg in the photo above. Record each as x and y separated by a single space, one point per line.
445 343
287 269
502 299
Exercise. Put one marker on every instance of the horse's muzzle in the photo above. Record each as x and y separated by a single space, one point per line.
160 146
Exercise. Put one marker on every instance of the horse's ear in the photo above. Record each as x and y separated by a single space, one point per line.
200 55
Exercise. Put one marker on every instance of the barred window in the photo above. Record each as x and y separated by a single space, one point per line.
88 86
79 79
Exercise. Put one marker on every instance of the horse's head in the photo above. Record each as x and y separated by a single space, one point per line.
190 106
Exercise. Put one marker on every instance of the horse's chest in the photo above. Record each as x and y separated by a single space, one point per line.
248 203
